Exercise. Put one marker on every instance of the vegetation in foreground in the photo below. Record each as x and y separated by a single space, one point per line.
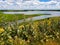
43 32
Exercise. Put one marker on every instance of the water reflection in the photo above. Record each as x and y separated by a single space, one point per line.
35 12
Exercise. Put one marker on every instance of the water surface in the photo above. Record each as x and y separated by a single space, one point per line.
52 14
35 12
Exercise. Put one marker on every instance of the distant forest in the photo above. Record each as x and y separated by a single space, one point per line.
25 10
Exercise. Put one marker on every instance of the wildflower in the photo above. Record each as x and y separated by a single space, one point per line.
46 36
51 36
1 30
9 27
49 22
28 41
21 26
57 36
9 37
10 40
47 40
42 41
57 33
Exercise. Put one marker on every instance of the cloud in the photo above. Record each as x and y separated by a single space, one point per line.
40 5
31 4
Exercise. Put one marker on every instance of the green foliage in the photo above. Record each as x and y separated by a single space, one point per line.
13 17
42 32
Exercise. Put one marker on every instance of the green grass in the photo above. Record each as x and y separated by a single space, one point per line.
14 17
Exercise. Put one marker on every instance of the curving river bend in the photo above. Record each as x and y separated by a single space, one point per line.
52 14
38 18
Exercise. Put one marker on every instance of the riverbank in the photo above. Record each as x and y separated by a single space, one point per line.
37 18
14 17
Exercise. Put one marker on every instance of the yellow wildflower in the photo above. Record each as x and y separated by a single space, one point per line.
49 22
21 26
10 40
1 30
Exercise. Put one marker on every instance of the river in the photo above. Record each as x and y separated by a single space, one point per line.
35 12
52 14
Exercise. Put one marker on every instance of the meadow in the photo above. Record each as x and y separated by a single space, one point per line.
40 32
13 17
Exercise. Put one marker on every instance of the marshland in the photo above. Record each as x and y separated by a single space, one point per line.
30 28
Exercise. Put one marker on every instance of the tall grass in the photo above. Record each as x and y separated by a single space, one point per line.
42 32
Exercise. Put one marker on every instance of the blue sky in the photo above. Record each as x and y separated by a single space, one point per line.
32 4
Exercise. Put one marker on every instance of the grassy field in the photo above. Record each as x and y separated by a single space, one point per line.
41 32
14 17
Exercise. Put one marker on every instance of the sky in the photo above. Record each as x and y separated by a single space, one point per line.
44 0
29 4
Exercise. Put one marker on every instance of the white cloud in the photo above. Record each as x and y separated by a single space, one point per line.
31 4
